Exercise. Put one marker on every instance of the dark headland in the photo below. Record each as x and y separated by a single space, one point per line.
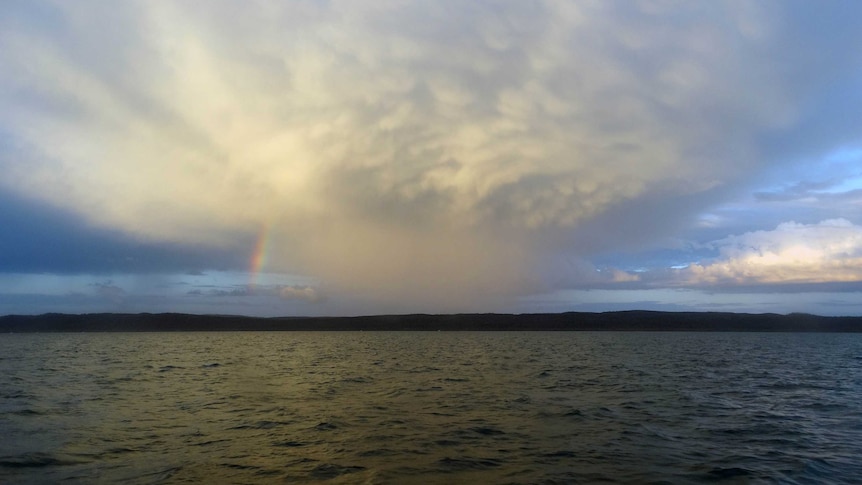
572 321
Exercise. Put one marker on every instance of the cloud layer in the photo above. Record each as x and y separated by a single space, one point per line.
425 152
830 251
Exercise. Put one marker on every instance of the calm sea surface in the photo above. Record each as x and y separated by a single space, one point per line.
405 407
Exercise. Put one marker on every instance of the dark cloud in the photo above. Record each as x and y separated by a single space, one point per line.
40 238
824 69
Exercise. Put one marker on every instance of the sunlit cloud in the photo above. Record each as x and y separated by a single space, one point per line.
829 251
306 293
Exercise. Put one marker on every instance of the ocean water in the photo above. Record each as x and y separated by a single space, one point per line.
430 407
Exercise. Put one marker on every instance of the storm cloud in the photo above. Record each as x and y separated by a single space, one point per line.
433 154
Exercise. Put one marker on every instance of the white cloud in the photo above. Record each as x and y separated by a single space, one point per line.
829 251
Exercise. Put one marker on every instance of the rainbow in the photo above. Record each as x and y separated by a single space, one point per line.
258 256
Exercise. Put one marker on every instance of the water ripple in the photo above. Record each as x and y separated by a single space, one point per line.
430 408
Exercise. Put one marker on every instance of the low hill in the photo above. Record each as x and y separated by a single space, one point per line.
573 321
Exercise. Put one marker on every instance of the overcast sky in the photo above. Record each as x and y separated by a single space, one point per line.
360 157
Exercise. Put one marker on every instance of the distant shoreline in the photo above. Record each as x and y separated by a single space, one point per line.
572 321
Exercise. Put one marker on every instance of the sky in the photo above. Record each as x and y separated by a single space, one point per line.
350 157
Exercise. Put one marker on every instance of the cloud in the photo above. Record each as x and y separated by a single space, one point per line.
305 293
426 152
284 292
234 291
40 238
792 253
107 290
